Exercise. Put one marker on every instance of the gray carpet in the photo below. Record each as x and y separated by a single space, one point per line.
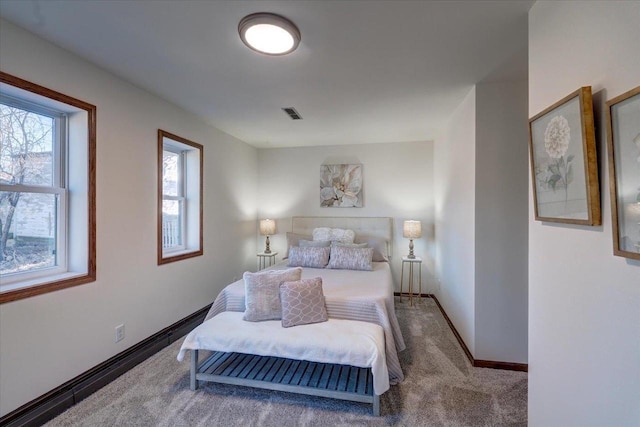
440 389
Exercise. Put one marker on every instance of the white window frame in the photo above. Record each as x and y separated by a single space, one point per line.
180 197
190 193
57 188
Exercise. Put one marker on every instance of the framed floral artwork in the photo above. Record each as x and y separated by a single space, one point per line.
623 139
564 168
341 186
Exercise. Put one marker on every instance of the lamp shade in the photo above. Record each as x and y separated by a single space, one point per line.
267 227
412 229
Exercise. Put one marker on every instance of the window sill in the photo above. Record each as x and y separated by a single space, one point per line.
26 288
179 255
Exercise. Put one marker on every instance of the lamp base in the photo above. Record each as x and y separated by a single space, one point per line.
411 255
267 250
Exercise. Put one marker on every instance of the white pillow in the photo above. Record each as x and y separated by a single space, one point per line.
334 234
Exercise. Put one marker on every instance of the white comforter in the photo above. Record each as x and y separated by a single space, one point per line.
354 295
345 342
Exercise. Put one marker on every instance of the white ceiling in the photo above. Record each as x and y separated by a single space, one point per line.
365 71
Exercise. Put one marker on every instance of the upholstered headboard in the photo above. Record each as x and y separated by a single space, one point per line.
363 226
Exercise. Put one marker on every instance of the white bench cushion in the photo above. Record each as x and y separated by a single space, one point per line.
344 342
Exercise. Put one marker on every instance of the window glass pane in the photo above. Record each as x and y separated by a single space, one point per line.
170 173
29 231
26 147
172 223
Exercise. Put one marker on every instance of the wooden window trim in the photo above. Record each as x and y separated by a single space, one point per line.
198 252
90 109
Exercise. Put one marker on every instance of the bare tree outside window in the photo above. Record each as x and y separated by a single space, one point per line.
27 219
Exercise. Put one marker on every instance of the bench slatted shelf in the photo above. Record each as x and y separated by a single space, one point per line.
276 373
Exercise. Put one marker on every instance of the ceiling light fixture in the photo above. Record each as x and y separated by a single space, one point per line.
269 33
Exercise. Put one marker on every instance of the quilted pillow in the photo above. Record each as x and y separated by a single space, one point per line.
314 257
292 240
302 302
262 293
350 258
334 234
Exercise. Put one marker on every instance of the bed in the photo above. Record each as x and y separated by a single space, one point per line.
350 296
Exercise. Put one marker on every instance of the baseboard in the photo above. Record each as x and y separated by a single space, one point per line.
53 403
508 366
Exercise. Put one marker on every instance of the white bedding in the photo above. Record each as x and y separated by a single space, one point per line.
326 342
354 295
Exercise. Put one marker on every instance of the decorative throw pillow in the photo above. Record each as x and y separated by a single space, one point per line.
262 293
334 234
379 245
314 243
302 302
314 257
350 258
292 240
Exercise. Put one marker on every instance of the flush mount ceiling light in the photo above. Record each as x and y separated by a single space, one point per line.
269 33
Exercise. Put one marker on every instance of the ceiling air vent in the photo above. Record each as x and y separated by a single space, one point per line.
291 112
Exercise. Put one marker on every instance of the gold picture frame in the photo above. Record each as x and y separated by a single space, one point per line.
623 145
564 168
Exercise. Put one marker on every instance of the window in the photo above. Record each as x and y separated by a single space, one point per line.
179 198
47 190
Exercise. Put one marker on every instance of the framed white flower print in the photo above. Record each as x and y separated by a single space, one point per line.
623 139
341 186
564 168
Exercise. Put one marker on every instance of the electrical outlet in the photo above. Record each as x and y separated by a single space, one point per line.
119 333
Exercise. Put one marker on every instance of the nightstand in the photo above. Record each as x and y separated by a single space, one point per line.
266 260
417 262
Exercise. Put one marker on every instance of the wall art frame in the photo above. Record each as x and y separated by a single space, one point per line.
564 168
341 186
623 149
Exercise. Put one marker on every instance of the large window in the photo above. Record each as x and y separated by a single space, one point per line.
179 198
47 190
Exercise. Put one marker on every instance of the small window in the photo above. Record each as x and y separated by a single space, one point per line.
179 198
47 176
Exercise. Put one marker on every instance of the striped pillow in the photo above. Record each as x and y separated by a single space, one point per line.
350 258
314 257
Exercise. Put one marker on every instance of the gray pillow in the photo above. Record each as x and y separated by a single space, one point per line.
314 257
292 240
379 245
350 258
349 245
262 293
314 243
302 302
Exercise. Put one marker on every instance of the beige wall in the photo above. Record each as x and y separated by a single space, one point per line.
584 303
398 182
49 339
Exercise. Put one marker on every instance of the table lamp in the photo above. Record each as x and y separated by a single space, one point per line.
411 230
267 228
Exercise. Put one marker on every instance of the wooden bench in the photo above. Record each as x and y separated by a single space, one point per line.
310 359
276 373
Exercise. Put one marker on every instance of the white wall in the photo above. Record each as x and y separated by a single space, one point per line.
454 173
398 182
501 221
49 339
584 303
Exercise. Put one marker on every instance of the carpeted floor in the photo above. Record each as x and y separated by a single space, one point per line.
440 389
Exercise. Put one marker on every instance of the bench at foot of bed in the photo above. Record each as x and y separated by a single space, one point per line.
276 373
